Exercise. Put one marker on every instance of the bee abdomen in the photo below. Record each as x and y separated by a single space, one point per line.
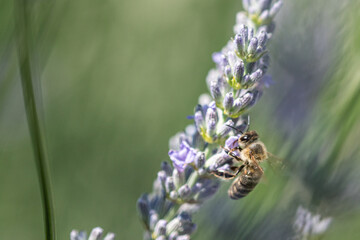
242 186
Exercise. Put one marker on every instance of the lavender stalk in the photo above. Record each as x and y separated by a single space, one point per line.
235 85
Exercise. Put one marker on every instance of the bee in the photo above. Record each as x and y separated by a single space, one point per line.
250 152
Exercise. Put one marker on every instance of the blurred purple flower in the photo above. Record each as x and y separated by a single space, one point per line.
184 156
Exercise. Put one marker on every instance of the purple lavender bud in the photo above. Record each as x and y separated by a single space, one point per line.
143 208
232 58
208 191
228 72
204 99
186 224
259 52
199 160
216 57
158 201
96 233
211 114
217 160
183 237
232 142
245 80
238 105
212 105
255 76
264 62
264 16
275 8
250 33
161 176
211 120
179 178
174 195
160 227
199 120
246 4
165 166
239 43
169 184
246 98
243 101
211 127
262 38
154 218
184 191
110 236
264 4
244 33
76 235
252 46
215 91
201 172
173 236
225 129
228 101
256 96
239 70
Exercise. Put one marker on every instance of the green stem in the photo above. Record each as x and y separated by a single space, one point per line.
32 113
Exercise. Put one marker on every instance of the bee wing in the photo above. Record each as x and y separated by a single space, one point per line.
276 163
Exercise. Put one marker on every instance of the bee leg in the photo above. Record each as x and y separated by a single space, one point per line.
223 175
226 174
231 153
257 164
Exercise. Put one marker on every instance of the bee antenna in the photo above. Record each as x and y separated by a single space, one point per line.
248 123
235 129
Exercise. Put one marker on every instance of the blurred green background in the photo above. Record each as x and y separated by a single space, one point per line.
118 79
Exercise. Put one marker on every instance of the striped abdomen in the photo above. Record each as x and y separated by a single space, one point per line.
244 184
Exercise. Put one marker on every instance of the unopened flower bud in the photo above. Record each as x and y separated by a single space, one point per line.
275 8
143 208
244 33
239 43
183 237
199 160
228 101
215 91
154 218
228 72
255 76
252 46
184 191
161 176
110 236
165 166
169 184
262 39
174 195
178 177
96 233
173 236
225 129
264 16
239 71
160 227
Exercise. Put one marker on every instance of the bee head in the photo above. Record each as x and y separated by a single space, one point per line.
247 138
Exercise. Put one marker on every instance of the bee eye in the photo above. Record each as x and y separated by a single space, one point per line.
245 138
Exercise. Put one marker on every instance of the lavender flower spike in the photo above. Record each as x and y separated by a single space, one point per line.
235 85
